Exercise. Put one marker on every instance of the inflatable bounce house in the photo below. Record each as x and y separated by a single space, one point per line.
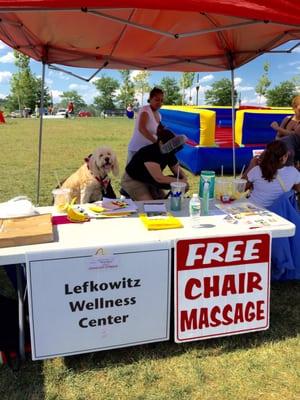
209 132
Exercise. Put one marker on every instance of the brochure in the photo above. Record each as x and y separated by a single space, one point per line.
249 214
111 208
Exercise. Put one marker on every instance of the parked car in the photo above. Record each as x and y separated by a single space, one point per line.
16 114
84 114
61 111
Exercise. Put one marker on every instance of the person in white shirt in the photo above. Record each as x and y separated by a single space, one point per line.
146 124
271 178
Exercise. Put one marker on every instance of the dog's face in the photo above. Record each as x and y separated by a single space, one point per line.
105 160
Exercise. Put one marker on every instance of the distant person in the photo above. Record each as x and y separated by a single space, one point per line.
271 178
27 112
144 178
2 119
146 123
130 111
37 111
70 109
289 132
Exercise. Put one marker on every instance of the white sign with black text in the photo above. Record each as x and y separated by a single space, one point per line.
222 286
91 301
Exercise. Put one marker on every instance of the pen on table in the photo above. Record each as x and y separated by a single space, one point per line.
151 204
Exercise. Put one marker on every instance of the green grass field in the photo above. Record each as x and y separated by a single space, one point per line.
263 365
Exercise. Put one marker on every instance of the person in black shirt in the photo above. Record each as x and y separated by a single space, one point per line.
143 178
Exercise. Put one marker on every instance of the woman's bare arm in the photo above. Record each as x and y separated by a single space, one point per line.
142 128
279 128
156 173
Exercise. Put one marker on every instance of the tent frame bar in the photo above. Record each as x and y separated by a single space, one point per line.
40 135
55 68
133 24
218 29
233 123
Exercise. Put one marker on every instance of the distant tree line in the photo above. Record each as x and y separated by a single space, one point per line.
279 96
113 94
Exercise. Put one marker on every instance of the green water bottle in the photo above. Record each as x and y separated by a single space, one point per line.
205 198
210 177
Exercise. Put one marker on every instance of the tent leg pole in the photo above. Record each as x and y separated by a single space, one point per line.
40 136
233 122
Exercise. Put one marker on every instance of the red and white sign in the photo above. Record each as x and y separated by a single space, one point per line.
222 286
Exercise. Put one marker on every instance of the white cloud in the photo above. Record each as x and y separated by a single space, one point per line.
292 64
7 58
3 46
193 94
239 87
74 86
5 76
59 74
56 95
48 81
89 95
255 101
245 88
206 78
2 96
237 81
86 91
134 73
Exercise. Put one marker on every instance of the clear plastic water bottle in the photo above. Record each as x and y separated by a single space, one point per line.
205 204
195 209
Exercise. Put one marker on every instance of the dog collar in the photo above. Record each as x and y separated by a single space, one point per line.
104 182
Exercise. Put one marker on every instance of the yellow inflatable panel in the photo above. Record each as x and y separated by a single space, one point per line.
260 126
207 119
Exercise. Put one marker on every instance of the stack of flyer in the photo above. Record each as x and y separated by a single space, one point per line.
156 217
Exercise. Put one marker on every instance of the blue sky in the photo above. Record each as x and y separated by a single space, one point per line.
282 67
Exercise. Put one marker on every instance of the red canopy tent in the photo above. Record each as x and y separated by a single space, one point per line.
189 35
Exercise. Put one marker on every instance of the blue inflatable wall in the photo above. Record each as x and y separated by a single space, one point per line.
182 123
256 126
197 159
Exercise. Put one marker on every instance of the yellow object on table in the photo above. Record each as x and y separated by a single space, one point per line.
158 223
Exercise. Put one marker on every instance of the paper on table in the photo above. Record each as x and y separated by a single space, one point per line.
250 215
155 207
112 205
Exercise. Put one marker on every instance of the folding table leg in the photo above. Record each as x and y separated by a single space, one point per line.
20 291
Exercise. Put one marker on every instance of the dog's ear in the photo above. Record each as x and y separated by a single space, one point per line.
93 165
115 166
